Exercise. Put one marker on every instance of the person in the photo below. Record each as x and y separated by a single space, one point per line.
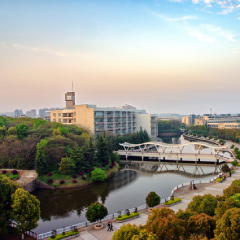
109 226
230 174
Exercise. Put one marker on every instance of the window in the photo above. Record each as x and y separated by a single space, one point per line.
97 114
59 114
59 120
74 113
54 120
74 119
54 114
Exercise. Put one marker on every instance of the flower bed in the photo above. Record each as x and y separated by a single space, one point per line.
170 202
125 216
62 236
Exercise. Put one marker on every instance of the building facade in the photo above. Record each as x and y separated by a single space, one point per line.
233 125
121 120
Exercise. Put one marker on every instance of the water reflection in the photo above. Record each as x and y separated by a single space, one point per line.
126 189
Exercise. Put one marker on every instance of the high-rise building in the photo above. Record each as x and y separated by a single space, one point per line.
18 112
33 113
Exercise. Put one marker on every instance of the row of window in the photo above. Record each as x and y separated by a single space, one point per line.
64 114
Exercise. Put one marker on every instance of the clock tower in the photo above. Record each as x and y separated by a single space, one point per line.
70 99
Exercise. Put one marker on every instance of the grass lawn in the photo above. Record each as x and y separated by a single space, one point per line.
57 176
10 175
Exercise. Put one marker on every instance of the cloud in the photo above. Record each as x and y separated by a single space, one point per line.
220 32
170 19
202 37
228 5
34 49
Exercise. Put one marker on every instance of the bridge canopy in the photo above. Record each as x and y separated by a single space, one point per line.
157 145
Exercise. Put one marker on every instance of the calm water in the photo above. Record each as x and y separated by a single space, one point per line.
126 189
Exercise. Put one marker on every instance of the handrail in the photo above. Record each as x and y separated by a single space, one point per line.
112 216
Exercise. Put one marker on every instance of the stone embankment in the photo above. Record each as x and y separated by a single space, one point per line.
29 181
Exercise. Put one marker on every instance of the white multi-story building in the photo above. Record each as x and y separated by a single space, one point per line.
117 120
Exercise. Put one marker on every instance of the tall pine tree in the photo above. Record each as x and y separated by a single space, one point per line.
102 150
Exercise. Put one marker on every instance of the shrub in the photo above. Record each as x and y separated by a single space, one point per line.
111 166
98 175
83 178
218 180
107 168
50 180
49 174
172 201
4 172
62 182
87 171
103 165
152 199
66 166
74 176
14 172
235 163
106 163
80 173
74 181
125 216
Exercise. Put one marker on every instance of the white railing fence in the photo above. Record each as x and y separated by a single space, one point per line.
114 215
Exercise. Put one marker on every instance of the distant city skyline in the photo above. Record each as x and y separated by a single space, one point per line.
173 56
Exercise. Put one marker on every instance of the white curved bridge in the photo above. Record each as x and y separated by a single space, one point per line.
176 152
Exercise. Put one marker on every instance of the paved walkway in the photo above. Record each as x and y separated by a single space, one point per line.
184 193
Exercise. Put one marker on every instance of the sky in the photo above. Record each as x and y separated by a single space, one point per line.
166 56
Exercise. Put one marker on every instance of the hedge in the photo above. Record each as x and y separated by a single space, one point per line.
125 216
61 236
172 201
218 180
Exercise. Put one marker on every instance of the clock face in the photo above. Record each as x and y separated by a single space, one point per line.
69 97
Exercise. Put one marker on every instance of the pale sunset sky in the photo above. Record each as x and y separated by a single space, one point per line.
179 56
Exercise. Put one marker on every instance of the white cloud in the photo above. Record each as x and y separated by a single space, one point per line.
161 16
220 32
228 5
34 49
202 37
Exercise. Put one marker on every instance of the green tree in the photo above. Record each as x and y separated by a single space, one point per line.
88 150
126 232
21 130
41 162
26 210
98 175
152 199
7 188
164 223
228 226
225 168
223 206
96 212
203 204
38 122
144 235
202 224
67 166
56 132
3 130
232 189
12 131
102 150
